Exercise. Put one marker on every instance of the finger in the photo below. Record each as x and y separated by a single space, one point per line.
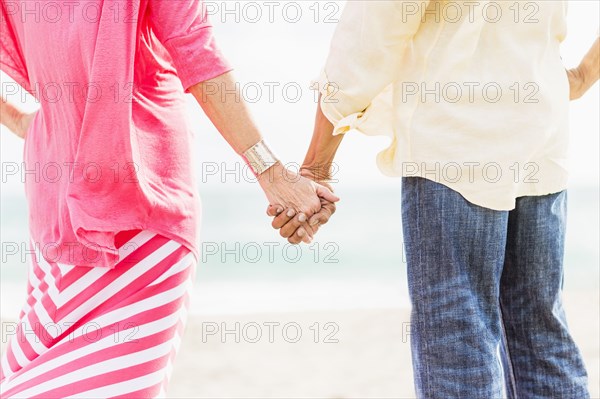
304 233
315 230
274 210
290 227
299 236
284 217
297 230
310 231
325 193
323 216
294 239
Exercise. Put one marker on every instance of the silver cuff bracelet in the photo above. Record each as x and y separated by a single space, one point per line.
259 158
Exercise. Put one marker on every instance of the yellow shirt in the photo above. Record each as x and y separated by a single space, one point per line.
473 94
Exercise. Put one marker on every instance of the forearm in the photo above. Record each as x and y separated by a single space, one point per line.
590 66
222 102
323 147
224 106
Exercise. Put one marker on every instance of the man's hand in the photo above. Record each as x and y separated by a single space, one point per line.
576 85
317 168
282 187
586 74
296 227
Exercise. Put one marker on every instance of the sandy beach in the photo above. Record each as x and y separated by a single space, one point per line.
371 359
323 353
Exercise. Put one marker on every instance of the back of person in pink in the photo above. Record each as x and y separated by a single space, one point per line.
113 203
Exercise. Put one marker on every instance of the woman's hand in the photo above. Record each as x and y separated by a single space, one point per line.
14 119
285 189
294 197
316 167
295 229
23 123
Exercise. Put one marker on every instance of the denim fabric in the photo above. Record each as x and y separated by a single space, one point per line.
485 286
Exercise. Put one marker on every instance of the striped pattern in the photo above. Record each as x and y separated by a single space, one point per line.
90 332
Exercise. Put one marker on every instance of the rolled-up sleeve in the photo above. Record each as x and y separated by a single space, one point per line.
183 28
365 54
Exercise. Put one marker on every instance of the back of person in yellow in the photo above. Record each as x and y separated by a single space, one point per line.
475 98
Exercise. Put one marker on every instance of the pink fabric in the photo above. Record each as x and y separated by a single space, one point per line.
101 333
109 149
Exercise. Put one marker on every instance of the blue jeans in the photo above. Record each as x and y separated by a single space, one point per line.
487 319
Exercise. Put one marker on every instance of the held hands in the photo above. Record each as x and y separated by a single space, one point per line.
301 226
297 201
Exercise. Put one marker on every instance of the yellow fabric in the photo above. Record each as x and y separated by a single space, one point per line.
473 95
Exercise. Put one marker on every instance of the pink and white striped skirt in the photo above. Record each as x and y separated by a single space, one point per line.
90 332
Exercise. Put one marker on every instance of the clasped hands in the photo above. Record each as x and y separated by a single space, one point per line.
300 203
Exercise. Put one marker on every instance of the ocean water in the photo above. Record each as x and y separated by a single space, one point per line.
356 261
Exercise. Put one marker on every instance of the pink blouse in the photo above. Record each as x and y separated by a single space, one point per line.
109 149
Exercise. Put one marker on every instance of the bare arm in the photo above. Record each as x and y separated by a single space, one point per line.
366 49
582 78
227 111
230 115
317 167
322 149
13 118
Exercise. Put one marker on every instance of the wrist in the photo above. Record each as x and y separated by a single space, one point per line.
590 73
576 84
23 122
259 158
271 175
582 73
320 172
18 124
12 120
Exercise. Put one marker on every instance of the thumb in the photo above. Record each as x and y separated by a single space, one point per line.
325 193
